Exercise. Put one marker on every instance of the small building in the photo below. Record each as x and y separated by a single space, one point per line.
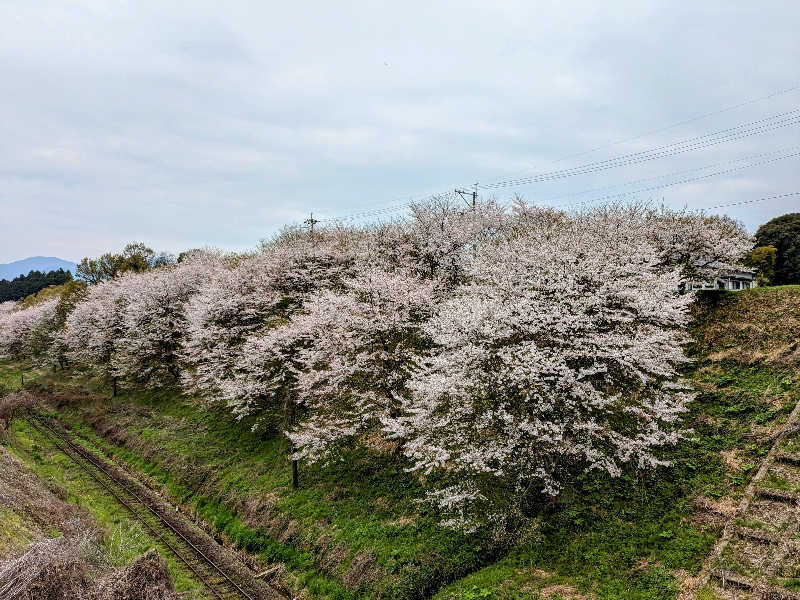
734 279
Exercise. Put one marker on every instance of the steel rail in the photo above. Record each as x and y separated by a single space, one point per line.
39 425
90 458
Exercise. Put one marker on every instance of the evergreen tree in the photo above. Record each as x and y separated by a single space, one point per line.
784 234
33 282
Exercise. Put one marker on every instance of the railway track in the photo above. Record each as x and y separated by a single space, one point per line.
193 555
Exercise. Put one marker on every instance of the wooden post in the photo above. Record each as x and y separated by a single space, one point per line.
290 409
295 474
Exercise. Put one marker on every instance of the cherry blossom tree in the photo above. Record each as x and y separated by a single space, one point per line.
27 333
259 335
237 300
704 246
154 321
361 345
93 330
344 353
560 352
250 294
440 233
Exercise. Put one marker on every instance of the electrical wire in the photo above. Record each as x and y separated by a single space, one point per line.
681 181
713 113
735 133
793 151
786 195
745 130
673 174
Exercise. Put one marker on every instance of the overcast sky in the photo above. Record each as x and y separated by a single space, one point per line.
184 124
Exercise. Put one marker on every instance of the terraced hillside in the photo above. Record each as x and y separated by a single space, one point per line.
355 529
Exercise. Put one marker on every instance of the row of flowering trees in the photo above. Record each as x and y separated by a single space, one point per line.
494 351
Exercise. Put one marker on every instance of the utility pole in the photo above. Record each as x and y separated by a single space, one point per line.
473 193
311 222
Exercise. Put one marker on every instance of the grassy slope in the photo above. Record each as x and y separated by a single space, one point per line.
355 529
23 522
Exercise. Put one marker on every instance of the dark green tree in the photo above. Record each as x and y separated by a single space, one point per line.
135 257
35 281
762 259
783 233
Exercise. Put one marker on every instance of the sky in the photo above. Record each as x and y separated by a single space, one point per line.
189 124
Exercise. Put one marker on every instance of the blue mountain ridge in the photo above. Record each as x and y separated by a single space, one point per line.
35 263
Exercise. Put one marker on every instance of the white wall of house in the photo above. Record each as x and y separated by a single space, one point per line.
724 283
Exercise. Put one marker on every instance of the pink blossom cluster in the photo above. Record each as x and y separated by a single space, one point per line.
29 332
494 351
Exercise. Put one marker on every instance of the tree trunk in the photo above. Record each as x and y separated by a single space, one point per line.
114 387
290 418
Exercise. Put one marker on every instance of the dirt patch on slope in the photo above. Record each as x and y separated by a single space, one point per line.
741 326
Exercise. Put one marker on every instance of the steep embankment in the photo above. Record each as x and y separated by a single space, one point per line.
355 529
757 327
51 548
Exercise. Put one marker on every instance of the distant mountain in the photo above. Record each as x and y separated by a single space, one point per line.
35 263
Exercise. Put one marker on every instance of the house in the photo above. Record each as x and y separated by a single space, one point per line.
730 279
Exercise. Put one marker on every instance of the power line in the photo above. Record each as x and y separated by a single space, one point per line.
671 184
388 209
681 181
787 195
673 174
790 118
713 113
736 133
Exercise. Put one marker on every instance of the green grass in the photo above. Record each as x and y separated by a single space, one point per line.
706 593
124 539
11 375
774 481
730 562
15 532
751 524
